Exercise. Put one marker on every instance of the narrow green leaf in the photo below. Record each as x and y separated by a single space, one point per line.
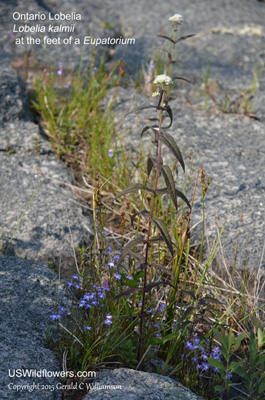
156 340
180 78
189 292
162 268
243 373
160 99
223 340
151 285
261 337
187 313
238 341
219 388
155 239
261 388
128 292
217 364
167 38
144 213
184 37
170 142
231 339
127 248
137 256
183 197
170 114
169 180
146 128
133 188
170 336
150 165
234 366
208 299
163 230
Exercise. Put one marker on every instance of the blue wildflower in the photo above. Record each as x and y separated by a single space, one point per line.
189 345
88 328
205 366
108 320
117 276
110 153
55 317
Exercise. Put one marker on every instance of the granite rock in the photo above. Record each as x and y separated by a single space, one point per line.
29 294
136 385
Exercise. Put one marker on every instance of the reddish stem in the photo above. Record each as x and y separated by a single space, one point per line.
141 338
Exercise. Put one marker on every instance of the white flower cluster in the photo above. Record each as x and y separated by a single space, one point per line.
163 80
176 18
155 94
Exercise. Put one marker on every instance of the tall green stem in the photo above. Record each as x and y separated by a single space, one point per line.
141 338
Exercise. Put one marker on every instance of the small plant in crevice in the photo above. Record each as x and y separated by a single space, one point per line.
241 103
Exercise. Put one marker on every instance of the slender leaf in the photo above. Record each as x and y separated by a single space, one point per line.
170 114
234 365
151 285
169 180
189 292
155 239
208 299
184 37
128 292
141 108
160 99
261 388
163 230
162 268
167 38
238 341
219 388
231 339
139 257
150 165
178 194
183 197
216 364
128 247
187 313
170 142
133 188
144 213
145 129
181 79
168 337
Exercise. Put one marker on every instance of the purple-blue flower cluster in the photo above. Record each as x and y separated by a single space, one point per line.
62 311
200 355
94 297
75 282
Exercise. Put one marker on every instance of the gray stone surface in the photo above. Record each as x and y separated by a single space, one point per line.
26 162
43 233
28 295
136 385
13 102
